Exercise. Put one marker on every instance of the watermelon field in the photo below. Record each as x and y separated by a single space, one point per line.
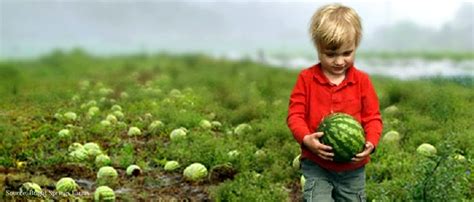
71 115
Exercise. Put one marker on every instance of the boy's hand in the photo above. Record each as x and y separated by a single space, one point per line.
311 141
369 147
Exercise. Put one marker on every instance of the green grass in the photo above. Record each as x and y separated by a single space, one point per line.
438 111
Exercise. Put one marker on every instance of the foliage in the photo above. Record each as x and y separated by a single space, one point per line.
182 91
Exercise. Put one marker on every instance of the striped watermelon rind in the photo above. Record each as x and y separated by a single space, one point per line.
344 134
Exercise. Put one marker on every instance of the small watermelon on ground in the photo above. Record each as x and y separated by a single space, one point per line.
133 170
344 134
171 165
31 187
205 124
391 110
102 160
66 184
460 158
391 137
242 129
64 133
426 149
104 193
216 125
195 172
107 175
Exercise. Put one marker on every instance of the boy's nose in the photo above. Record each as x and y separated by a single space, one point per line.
339 61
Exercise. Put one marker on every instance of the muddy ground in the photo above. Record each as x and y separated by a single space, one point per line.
156 186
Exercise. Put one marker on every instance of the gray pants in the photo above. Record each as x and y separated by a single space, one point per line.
323 185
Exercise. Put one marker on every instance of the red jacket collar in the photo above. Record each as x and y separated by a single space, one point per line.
321 78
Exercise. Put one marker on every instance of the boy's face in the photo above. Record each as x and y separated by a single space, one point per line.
335 62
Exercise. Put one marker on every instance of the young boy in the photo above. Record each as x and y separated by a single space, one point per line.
333 85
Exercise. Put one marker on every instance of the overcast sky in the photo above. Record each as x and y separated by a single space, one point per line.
29 28
424 12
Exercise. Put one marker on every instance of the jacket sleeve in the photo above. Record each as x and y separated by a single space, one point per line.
296 119
371 118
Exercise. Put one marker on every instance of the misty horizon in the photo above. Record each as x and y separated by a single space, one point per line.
32 28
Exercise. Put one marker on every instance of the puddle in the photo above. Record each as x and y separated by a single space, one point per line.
123 191
154 184
87 184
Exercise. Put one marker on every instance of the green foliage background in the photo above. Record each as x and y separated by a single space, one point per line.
438 111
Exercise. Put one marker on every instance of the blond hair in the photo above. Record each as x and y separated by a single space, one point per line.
333 25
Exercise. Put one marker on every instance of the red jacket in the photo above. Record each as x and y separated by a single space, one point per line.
314 97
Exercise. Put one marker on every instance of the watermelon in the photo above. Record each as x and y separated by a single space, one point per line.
104 193
426 149
344 134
